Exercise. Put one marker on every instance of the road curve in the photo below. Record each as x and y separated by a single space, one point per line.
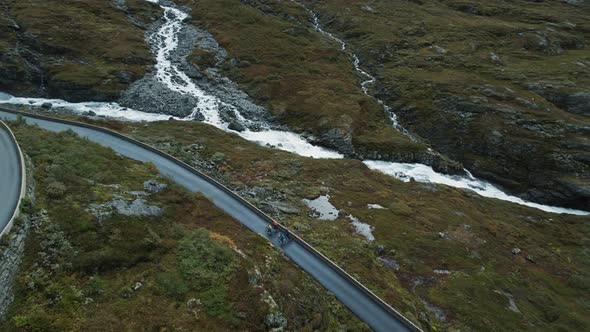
362 302
11 177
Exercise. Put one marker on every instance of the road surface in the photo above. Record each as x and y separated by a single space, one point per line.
10 177
354 296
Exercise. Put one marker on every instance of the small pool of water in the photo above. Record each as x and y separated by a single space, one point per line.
323 208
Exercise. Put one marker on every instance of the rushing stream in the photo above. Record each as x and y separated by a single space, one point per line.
208 106
368 79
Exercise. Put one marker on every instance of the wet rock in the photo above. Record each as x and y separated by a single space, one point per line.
150 95
235 125
47 106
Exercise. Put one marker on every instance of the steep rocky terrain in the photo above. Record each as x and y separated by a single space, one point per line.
79 51
503 87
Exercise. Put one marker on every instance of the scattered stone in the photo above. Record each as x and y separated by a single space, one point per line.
254 277
516 251
390 263
511 304
495 58
137 207
439 313
442 235
530 258
138 285
154 186
300 227
282 207
380 250
369 9
276 321
438 49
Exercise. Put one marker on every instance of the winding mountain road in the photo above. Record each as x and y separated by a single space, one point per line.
10 177
362 302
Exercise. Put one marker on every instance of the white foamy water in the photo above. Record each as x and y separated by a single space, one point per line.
112 110
288 141
166 41
423 173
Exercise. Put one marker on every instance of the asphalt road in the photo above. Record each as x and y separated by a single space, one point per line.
349 294
10 177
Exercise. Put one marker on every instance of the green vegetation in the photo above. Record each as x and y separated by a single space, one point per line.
425 229
501 86
87 49
193 268
299 75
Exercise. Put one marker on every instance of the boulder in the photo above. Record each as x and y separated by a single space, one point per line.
235 125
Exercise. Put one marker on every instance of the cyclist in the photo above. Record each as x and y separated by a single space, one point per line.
282 238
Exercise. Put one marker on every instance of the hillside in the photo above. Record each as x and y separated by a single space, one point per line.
114 245
436 150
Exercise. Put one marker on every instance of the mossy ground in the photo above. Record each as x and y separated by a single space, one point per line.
302 77
81 274
80 45
437 61
548 279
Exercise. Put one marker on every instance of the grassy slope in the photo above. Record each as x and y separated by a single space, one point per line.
398 40
302 77
549 287
190 252
81 45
